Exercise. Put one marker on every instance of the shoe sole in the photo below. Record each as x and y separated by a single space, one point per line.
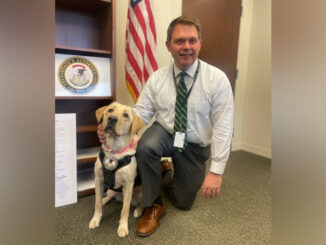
150 233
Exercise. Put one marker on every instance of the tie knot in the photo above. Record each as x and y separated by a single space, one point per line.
182 74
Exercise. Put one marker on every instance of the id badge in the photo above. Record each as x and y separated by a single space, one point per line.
179 139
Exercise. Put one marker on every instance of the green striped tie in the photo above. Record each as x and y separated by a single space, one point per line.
180 122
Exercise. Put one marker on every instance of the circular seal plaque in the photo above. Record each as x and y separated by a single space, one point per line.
78 75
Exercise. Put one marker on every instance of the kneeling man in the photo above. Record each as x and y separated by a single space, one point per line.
193 105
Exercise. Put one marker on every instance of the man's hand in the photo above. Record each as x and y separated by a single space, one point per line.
212 185
100 133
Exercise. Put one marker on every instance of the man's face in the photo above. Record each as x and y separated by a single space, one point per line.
184 45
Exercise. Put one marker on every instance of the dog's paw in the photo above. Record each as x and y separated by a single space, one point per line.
94 223
138 212
123 231
105 200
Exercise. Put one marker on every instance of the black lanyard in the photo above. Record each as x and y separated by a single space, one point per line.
195 77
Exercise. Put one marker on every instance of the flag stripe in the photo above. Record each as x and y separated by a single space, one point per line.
134 64
135 47
146 74
132 84
142 23
132 74
149 33
140 45
137 56
136 37
151 19
131 90
151 57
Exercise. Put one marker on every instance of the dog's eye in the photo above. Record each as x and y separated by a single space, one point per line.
110 110
125 115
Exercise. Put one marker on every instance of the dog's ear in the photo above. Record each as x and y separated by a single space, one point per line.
137 123
99 113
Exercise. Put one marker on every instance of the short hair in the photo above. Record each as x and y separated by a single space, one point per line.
184 20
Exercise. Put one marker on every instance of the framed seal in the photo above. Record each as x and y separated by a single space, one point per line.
78 75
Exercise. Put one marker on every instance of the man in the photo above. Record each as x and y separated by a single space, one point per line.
193 104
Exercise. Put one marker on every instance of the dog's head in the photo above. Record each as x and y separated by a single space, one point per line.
118 120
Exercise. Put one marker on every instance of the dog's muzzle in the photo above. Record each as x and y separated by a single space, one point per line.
112 121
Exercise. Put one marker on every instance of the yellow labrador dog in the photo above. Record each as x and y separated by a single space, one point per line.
116 166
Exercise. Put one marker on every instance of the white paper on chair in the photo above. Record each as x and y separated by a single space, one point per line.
65 160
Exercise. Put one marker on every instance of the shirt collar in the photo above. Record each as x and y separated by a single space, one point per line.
190 71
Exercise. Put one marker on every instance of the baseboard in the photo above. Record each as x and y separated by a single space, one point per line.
258 150
236 146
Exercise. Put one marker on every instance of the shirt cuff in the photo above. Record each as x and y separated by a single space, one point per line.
217 167
138 112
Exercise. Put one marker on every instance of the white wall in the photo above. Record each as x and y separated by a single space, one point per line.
241 82
253 86
164 12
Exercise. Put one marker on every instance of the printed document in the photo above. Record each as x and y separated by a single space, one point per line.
65 160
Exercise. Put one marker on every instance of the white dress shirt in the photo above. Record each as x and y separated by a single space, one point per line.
210 107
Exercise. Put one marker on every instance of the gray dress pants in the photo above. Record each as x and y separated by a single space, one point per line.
189 167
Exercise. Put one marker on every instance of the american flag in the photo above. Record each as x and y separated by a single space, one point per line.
140 45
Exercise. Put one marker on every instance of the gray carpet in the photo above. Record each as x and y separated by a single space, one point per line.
240 215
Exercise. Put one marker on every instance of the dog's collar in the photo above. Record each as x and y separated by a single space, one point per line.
127 148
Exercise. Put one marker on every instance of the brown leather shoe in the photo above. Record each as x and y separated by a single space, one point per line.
149 220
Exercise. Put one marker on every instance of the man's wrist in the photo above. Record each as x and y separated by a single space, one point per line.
216 174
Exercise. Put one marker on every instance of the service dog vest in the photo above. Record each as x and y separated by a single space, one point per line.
109 174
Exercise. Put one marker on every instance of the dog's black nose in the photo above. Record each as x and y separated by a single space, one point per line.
112 120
